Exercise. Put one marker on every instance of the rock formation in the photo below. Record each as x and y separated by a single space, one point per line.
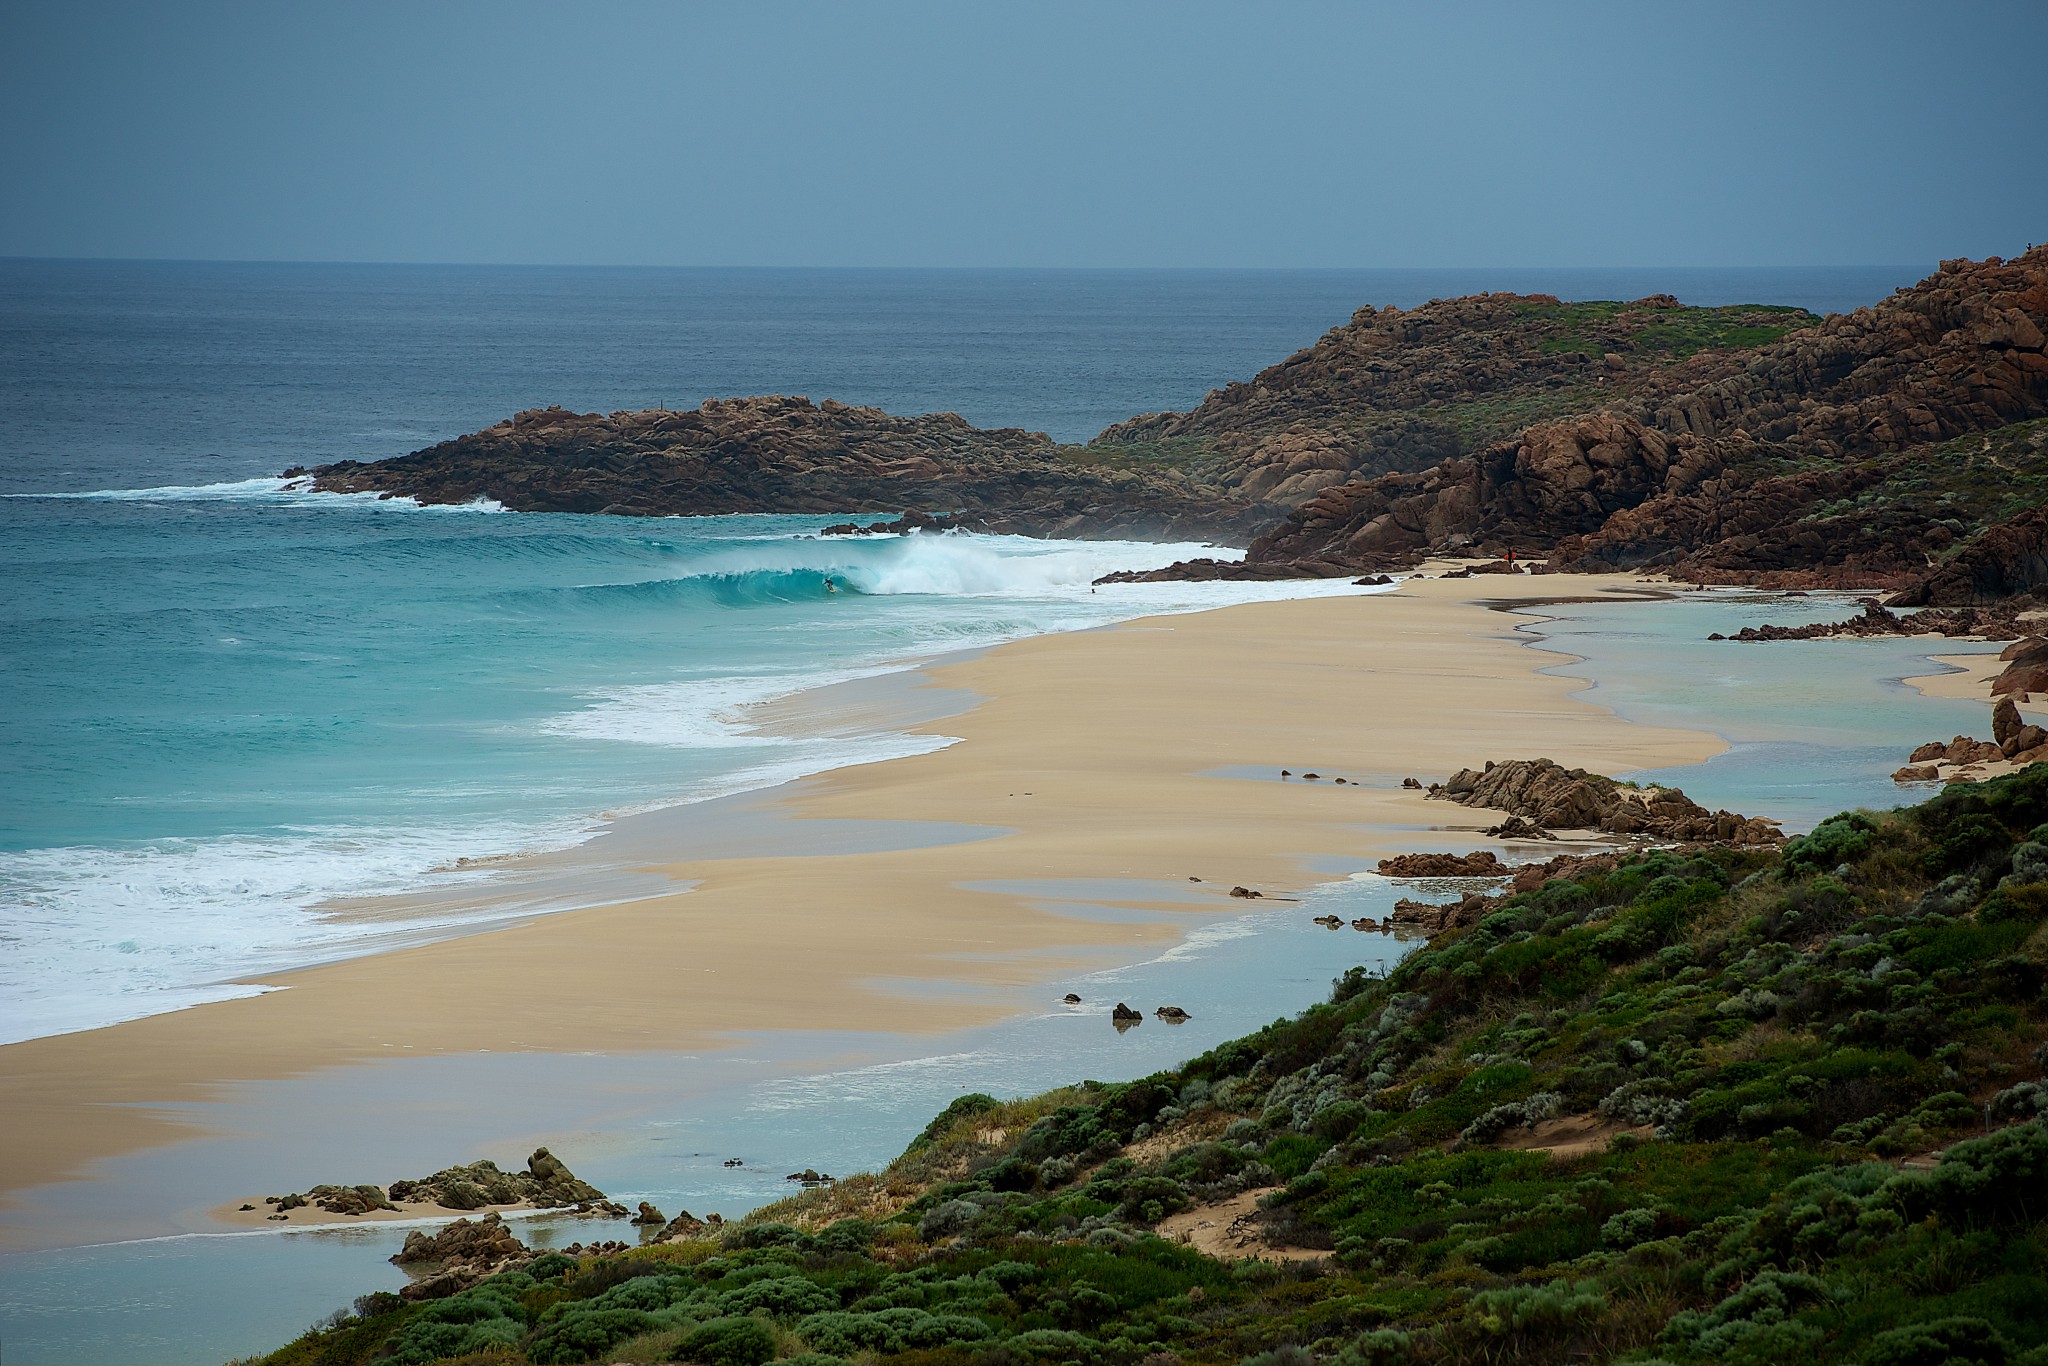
1480 863
545 1184
1857 451
1554 797
1989 623
788 455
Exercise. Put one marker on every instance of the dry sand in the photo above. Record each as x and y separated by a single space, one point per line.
1088 750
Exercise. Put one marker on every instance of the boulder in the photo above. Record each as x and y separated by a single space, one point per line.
1479 863
480 1241
2005 723
649 1215
684 1225
1125 1014
1917 773
1172 1014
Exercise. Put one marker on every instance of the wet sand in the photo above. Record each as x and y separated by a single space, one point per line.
1093 755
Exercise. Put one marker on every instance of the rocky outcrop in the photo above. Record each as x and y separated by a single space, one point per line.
1786 466
1480 863
2014 740
687 1226
486 1241
2008 560
345 1200
1403 389
1986 623
788 455
545 1184
1551 796
458 1256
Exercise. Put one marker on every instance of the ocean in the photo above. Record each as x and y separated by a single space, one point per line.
223 702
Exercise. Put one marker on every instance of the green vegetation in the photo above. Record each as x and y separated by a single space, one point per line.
1801 1091
1962 485
1598 327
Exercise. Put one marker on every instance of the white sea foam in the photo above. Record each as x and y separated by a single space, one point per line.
94 936
297 492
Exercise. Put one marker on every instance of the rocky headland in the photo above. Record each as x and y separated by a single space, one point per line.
789 455
1899 447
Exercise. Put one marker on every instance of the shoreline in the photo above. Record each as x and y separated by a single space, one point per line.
835 940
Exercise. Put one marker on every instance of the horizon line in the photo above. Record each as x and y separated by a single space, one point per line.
591 265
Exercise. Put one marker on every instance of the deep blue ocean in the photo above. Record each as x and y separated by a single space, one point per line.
222 702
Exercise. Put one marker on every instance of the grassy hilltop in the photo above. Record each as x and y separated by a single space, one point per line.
1790 1099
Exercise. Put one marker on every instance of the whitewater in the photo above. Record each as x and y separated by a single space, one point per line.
250 701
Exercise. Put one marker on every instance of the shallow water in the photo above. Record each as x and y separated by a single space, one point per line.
1814 726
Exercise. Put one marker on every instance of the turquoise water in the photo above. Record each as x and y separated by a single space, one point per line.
1813 726
227 704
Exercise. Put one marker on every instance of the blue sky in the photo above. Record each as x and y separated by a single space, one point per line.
1098 134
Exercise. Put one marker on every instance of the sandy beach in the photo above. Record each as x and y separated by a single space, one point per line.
1148 751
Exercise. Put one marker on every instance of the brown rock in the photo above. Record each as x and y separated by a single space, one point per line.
684 1225
2005 723
1933 749
1541 795
2026 738
1480 863
484 1241
1917 773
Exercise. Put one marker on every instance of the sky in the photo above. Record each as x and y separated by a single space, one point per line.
887 133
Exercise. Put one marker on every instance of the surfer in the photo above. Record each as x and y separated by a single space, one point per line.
830 587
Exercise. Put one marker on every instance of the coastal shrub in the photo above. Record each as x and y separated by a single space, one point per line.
1952 1341
964 1107
1755 1322
645 1293
549 1265
1380 1347
1282 1356
584 1334
1513 1115
1055 1344
949 1220
889 1330
1536 1310
1833 842
781 1296
734 1341
472 1321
